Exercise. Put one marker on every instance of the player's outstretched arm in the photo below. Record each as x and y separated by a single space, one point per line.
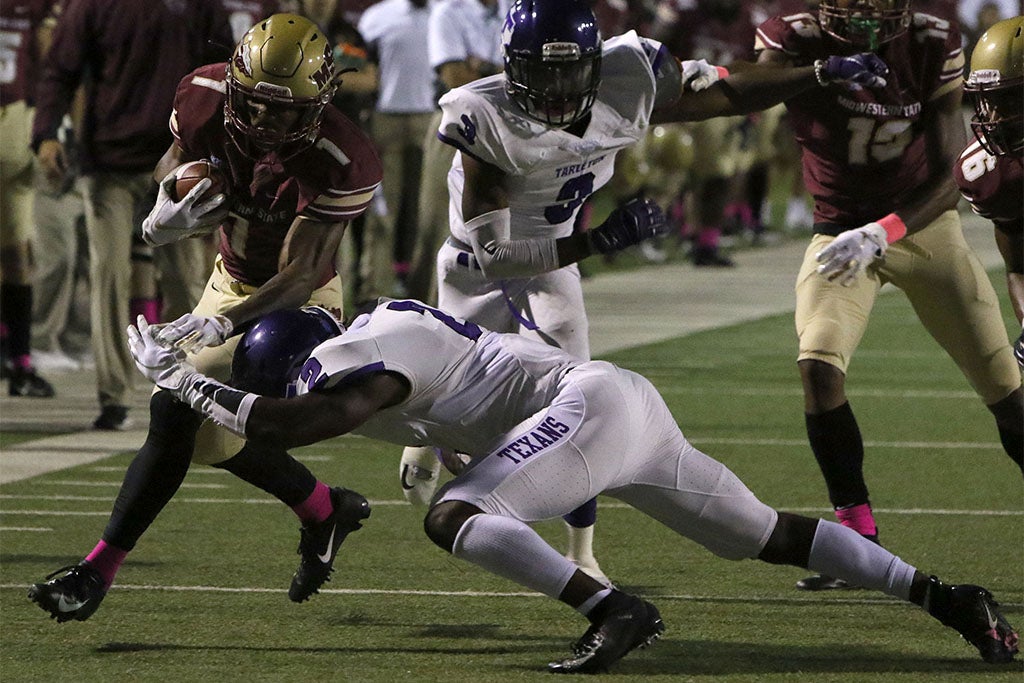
282 422
772 80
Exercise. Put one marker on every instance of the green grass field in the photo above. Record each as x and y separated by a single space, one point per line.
203 595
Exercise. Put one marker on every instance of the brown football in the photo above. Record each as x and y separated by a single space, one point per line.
191 173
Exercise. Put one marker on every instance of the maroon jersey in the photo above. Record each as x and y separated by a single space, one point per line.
864 151
331 181
993 185
19 21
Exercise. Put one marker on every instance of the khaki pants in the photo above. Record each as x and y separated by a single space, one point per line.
432 226
16 222
948 288
399 139
111 206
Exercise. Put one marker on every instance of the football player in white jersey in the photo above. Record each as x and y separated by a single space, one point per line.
546 431
534 143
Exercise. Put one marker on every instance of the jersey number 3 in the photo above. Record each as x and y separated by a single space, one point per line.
572 195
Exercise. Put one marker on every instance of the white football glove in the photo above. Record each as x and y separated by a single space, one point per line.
852 252
163 366
418 473
699 75
190 332
170 221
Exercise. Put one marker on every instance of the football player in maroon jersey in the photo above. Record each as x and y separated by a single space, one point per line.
297 173
989 170
24 26
877 163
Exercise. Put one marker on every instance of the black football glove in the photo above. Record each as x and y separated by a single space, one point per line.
630 224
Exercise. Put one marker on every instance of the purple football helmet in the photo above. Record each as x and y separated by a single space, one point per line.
271 353
552 59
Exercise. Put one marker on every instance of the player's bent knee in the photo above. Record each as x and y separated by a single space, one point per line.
214 444
790 542
444 521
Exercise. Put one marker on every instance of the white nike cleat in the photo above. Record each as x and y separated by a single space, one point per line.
320 542
419 473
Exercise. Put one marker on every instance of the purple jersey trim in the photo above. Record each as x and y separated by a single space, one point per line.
462 148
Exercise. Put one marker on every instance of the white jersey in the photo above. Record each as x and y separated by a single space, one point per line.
551 172
395 30
461 29
468 385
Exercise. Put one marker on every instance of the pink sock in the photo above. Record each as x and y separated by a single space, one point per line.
147 308
708 237
317 507
22 362
106 559
858 518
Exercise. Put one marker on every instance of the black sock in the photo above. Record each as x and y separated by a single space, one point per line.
274 471
157 471
1013 444
16 313
836 441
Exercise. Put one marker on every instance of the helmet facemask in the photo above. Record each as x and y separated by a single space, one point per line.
998 122
557 88
864 24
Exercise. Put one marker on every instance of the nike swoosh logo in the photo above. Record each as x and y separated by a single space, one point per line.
326 557
405 485
64 605
992 621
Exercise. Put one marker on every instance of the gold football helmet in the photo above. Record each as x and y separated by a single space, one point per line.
279 79
996 87
866 24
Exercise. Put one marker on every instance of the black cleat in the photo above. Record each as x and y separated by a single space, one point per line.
25 382
113 419
75 595
627 623
822 582
971 612
320 542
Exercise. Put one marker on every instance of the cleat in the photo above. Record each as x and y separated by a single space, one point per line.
419 472
319 543
971 612
822 582
113 419
627 623
25 382
75 595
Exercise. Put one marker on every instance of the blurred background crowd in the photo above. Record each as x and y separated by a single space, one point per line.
726 183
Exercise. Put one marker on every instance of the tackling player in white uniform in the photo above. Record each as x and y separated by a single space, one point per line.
546 432
534 143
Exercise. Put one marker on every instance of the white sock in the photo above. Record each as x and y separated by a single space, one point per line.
581 542
591 602
509 548
843 553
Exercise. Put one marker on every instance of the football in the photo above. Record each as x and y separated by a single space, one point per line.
191 173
